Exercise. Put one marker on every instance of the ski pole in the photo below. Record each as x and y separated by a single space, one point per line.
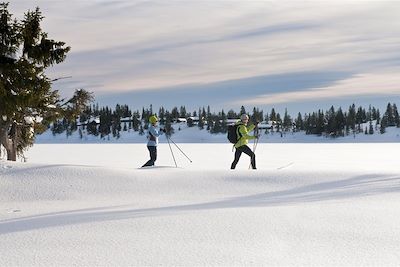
180 150
255 143
172 152
258 139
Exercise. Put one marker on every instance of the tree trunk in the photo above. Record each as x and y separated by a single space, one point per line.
11 153
9 144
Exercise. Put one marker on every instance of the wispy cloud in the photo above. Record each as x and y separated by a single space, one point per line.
369 84
227 94
132 47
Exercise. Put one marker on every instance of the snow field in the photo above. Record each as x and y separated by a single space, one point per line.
307 204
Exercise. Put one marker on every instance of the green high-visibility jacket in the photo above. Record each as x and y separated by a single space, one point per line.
243 134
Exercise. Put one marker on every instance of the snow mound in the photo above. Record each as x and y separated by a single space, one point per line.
68 214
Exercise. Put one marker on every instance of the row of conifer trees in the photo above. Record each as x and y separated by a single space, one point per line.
105 121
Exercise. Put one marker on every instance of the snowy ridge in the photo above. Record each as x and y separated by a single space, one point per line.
327 210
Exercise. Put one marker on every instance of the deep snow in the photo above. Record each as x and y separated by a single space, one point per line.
307 204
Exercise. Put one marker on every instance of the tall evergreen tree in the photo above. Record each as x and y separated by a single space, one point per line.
161 115
168 126
272 117
287 121
378 116
242 110
390 115
331 124
320 126
257 115
299 123
27 102
371 128
182 112
396 116
351 117
232 114
384 124
174 114
340 122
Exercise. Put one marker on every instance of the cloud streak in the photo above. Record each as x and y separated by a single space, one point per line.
140 47
360 85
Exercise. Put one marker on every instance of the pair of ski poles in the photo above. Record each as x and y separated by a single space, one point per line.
173 156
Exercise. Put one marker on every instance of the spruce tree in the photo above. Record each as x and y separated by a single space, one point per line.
340 122
351 118
371 128
161 115
396 116
384 124
92 128
232 114
391 121
299 123
182 112
174 114
287 121
320 124
272 117
28 105
168 126
242 110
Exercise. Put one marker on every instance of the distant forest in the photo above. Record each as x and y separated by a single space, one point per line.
335 122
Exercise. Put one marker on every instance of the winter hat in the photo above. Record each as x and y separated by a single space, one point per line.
153 119
244 117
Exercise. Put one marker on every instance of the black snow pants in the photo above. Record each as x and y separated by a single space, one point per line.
244 149
153 156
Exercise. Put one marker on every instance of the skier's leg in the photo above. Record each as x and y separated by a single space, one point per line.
238 153
150 162
251 154
153 154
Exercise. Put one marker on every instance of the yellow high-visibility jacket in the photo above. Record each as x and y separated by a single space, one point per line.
243 134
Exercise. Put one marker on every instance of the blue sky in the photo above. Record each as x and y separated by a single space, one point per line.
303 55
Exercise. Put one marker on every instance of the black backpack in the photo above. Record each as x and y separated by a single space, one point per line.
233 133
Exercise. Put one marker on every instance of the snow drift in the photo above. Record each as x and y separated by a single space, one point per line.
76 212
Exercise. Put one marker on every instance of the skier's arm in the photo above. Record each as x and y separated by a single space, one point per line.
244 132
251 128
154 132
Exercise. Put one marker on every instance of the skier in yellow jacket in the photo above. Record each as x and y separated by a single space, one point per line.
241 144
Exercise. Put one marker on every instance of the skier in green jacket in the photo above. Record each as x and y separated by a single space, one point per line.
241 144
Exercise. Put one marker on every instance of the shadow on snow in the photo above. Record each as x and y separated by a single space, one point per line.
355 187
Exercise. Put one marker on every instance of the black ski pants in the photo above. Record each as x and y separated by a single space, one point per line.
153 156
244 149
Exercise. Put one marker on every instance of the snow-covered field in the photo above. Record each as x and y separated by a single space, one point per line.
307 204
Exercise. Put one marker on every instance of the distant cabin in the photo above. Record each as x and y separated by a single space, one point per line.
231 121
126 119
264 125
93 120
181 120
194 120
